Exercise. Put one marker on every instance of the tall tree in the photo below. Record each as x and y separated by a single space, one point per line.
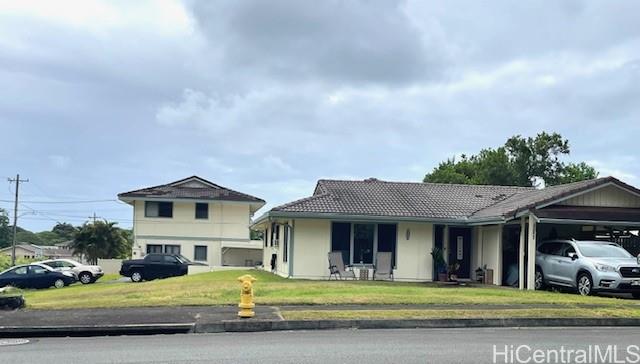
5 230
64 231
520 162
101 239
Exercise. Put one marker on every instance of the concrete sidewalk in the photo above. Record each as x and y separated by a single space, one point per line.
202 319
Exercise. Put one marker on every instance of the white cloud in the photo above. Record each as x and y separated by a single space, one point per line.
59 161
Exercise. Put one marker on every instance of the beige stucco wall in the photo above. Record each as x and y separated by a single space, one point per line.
490 250
414 262
226 221
186 248
608 196
312 243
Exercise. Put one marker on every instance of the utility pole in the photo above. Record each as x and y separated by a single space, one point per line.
94 217
15 216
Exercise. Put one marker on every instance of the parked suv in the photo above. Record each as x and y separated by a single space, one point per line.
154 266
84 273
588 266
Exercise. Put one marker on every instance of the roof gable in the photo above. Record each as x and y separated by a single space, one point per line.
193 188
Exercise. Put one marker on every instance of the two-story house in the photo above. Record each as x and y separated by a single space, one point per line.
199 219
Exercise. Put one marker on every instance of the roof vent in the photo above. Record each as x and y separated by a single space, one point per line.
371 179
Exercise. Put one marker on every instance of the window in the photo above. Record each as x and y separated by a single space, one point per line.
275 234
200 252
341 239
172 249
273 231
20 271
285 243
202 210
34 269
387 236
154 258
154 248
170 259
158 209
363 237
359 242
265 237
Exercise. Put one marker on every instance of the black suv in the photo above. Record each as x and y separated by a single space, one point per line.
154 266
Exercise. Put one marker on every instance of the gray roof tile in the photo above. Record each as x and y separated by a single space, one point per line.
373 197
193 187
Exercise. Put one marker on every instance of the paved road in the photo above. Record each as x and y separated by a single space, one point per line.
342 346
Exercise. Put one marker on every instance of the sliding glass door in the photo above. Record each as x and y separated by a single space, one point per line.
363 237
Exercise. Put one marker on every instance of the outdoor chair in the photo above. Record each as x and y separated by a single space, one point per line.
337 268
384 266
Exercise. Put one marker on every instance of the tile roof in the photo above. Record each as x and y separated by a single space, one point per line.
373 197
193 187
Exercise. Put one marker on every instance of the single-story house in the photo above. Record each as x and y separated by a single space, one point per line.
495 227
32 251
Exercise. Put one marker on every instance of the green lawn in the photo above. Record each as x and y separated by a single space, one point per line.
569 311
222 288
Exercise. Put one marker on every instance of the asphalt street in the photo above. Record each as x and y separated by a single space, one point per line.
340 346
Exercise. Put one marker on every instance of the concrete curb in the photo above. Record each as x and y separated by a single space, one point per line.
95 330
270 325
253 325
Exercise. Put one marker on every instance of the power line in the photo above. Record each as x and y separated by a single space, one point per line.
63 202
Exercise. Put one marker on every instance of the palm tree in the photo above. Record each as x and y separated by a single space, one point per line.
101 239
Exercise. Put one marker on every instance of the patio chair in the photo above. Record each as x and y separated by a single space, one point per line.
384 266
337 268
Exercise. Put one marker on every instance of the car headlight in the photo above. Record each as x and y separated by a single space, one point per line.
605 268
68 274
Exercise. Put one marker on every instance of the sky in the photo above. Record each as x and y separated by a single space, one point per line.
267 97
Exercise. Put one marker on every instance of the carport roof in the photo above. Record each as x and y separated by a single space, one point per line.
430 201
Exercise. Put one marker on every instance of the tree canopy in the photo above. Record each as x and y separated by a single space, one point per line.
5 233
519 162
102 239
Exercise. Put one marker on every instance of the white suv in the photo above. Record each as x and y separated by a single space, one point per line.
84 273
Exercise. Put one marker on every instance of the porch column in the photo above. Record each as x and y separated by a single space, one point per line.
521 266
497 278
445 243
531 254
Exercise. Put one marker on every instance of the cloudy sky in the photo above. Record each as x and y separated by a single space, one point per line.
266 97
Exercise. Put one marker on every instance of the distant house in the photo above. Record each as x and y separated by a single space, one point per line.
32 251
199 219
492 227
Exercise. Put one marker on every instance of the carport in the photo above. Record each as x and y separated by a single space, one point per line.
605 211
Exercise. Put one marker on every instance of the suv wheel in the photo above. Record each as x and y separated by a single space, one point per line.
136 276
585 284
539 279
85 278
59 283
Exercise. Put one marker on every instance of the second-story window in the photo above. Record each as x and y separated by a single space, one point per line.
158 209
202 210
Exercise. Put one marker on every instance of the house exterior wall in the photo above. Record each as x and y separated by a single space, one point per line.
310 243
227 222
608 196
490 250
414 261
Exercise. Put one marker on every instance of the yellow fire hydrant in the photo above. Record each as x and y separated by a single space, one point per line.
246 297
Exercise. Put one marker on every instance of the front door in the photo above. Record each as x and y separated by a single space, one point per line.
460 250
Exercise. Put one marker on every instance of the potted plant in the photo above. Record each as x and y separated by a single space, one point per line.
440 264
453 271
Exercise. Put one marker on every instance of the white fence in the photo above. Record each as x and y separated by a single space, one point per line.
110 266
